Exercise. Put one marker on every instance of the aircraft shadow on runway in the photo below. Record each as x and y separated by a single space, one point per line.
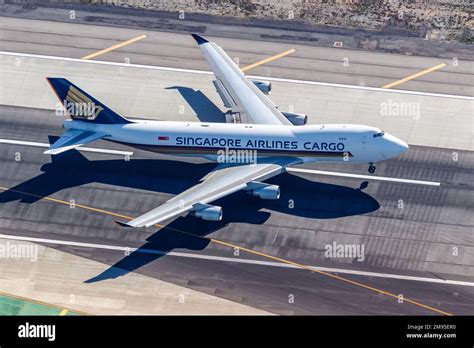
313 200
188 232
204 108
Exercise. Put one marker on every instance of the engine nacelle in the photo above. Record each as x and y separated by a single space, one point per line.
232 117
209 212
265 191
296 119
264 86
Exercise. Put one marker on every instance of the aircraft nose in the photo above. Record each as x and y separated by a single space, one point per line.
396 146
404 146
400 145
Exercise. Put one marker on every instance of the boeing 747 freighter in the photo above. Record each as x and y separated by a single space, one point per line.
257 142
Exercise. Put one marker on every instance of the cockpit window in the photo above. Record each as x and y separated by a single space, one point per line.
381 134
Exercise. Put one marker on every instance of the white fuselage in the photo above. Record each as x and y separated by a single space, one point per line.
311 143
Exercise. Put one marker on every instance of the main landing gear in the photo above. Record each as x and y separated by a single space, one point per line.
372 168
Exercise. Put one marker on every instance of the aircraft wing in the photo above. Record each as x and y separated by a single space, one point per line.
236 91
222 181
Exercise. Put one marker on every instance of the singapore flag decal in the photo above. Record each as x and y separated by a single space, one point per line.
163 139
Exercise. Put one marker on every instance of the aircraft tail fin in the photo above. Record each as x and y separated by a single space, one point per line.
81 106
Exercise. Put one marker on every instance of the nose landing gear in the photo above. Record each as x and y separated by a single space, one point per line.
371 168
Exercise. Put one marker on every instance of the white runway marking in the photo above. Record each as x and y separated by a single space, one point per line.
46 145
237 260
358 176
294 170
378 89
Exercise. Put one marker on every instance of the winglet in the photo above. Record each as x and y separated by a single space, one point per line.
199 39
121 223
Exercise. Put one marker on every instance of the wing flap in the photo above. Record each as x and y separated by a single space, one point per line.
224 94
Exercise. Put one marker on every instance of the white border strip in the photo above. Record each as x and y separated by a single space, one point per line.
85 149
237 260
304 82
358 176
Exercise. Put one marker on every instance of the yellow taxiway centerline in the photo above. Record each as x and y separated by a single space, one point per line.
269 59
414 76
379 291
114 47
309 268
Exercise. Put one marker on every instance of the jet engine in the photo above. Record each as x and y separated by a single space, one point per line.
209 212
264 191
264 86
296 119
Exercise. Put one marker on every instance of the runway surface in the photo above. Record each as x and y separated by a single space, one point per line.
407 230
78 38
418 240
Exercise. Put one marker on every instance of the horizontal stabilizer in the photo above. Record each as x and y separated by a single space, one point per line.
71 139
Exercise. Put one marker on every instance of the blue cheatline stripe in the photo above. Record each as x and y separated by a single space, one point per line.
213 150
